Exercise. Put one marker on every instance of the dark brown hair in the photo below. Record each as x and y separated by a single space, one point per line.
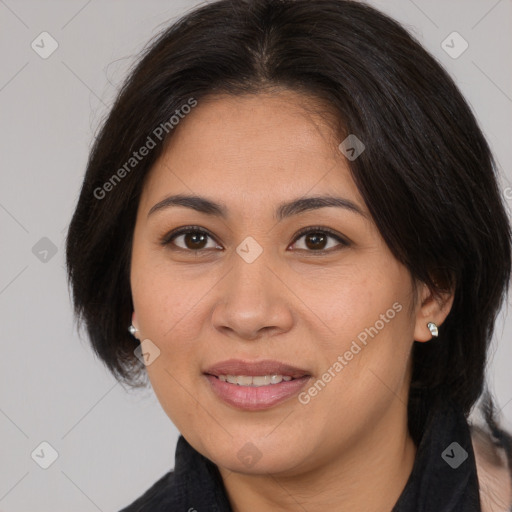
427 174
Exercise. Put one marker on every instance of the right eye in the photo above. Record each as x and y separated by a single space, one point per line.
192 239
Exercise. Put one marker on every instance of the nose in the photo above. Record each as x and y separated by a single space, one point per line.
253 300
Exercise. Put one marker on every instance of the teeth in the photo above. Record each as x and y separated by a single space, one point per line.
246 380
262 381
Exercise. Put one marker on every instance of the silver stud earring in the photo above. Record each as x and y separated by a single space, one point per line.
433 329
132 330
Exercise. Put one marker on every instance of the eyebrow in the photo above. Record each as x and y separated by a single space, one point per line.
284 210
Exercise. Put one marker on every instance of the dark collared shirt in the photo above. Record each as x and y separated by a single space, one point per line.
443 478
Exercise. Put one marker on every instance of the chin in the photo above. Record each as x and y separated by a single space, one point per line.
274 455
277 463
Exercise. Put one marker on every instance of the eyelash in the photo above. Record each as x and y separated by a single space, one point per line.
167 239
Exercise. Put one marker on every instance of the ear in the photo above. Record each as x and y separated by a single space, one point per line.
430 309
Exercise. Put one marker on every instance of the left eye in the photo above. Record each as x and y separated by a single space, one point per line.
316 239
194 239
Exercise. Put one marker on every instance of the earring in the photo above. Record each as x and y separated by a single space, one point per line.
433 329
132 330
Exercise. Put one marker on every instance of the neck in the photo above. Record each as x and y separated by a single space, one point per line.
369 476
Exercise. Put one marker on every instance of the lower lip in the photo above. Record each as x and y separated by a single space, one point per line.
254 398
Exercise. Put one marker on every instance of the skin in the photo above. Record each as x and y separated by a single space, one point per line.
349 447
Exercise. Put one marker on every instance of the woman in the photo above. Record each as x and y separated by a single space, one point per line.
295 212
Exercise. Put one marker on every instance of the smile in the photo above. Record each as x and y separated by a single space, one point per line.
247 380
256 397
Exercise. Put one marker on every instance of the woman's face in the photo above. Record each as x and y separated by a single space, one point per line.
334 304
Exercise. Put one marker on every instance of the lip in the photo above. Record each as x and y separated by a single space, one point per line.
253 369
256 398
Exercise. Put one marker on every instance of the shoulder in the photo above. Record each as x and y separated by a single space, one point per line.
494 473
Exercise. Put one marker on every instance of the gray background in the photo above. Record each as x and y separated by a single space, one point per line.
113 444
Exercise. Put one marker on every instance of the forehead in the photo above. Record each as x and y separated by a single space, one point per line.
259 148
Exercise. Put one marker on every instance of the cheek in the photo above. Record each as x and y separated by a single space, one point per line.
165 300
358 302
168 314
371 335
175 394
167 309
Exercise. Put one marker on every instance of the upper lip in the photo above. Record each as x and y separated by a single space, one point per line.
255 368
